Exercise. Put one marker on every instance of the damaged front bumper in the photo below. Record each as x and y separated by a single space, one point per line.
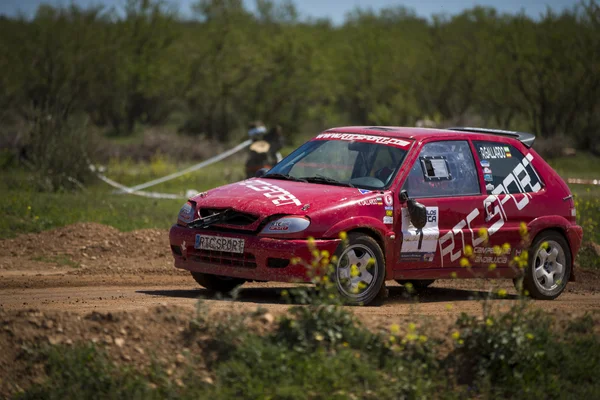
263 258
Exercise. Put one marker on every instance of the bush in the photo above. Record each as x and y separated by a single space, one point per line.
58 150
84 372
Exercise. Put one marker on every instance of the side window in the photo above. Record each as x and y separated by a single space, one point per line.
505 170
443 168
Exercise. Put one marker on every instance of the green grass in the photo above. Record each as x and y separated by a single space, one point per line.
584 166
26 210
517 354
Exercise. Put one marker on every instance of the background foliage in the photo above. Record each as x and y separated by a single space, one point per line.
212 72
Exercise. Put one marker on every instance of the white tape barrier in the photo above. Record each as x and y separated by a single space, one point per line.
135 190
153 195
584 181
193 168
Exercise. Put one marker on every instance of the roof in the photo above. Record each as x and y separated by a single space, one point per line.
421 133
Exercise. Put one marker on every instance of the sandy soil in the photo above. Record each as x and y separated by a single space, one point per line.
90 282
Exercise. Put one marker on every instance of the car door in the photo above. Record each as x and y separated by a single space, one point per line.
445 179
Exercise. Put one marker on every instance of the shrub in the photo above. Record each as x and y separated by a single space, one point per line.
58 151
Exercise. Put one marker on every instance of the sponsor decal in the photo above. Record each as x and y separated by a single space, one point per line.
279 226
417 257
368 202
428 257
411 257
364 191
487 170
484 163
286 225
492 152
389 207
388 220
487 255
354 137
420 240
488 177
453 243
277 195
389 213
507 152
389 200
489 187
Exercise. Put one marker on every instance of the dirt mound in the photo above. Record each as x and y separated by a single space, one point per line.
129 338
89 248
161 335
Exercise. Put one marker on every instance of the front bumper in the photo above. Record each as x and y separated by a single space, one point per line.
264 259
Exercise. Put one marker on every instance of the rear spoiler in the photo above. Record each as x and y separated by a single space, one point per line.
526 138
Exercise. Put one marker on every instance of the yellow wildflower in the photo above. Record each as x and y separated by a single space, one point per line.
489 322
491 267
523 229
464 262
456 335
354 271
497 250
501 292
395 329
343 235
468 251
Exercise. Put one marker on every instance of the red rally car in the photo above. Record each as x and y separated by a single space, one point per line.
417 205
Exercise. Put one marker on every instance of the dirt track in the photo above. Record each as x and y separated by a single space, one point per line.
91 267
91 283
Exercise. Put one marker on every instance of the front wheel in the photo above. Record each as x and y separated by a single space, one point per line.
360 272
549 267
221 284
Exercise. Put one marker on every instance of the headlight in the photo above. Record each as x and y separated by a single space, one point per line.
286 225
186 214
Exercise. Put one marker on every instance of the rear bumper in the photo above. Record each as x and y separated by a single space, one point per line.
264 259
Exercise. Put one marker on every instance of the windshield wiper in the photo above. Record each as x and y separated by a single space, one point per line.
326 180
284 176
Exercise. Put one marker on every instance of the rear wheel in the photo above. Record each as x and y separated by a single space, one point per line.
417 284
549 267
222 284
360 272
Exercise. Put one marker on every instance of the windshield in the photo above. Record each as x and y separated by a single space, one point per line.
363 163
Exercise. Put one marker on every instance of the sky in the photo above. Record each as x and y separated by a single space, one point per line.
335 9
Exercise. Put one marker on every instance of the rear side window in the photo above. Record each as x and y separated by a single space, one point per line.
506 170
443 168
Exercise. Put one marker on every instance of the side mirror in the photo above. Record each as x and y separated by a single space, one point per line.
261 172
403 196
416 210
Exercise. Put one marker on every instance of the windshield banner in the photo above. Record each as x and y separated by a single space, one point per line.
355 137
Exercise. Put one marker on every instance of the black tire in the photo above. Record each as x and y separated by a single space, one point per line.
358 250
417 283
548 269
215 283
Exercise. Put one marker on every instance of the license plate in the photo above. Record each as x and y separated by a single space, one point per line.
218 243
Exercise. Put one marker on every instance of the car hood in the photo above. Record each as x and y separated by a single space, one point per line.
264 197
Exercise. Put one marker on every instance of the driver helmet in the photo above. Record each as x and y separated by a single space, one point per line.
256 130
